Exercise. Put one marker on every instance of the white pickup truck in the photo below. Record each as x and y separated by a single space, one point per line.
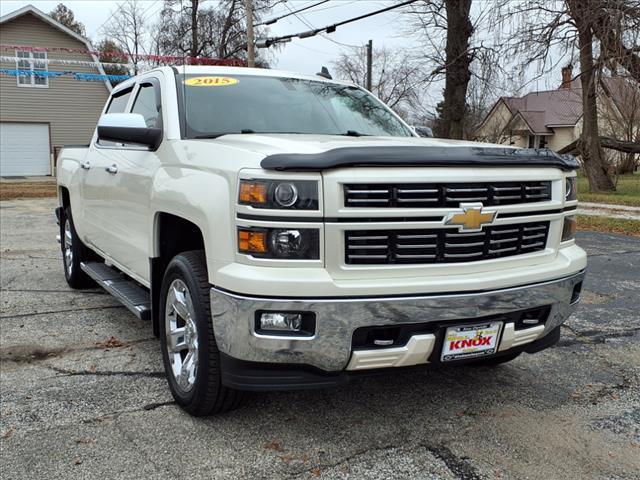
283 231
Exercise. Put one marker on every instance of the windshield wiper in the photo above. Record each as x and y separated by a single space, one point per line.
216 135
354 133
212 135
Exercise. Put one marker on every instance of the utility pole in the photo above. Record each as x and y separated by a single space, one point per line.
369 63
251 56
194 28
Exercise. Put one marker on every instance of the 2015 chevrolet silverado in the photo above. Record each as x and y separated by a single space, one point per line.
285 231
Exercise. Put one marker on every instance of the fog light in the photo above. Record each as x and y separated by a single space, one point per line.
289 322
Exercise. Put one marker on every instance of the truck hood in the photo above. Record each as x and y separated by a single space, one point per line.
323 152
271 144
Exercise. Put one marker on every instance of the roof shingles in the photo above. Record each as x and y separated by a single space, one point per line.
548 108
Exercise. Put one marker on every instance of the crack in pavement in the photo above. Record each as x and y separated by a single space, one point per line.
589 255
31 257
605 390
37 290
591 337
104 373
34 353
461 467
22 315
154 405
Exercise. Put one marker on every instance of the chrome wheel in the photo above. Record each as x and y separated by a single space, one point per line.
182 335
68 247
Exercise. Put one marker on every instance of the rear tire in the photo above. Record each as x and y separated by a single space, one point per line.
189 351
74 252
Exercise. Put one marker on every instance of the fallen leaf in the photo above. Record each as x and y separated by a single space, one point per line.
113 342
315 471
274 445
85 440
8 432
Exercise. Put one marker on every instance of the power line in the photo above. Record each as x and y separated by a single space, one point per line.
274 20
312 27
266 43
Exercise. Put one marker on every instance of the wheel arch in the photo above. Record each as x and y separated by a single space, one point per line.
172 235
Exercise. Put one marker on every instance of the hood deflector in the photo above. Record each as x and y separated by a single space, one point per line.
417 156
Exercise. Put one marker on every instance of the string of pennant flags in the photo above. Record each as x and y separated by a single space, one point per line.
227 62
63 61
87 77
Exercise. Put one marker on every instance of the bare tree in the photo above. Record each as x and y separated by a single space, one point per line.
619 114
396 77
617 25
127 29
543 34
190 27
457 67
446 29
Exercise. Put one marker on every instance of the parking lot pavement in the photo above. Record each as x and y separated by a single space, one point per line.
84 395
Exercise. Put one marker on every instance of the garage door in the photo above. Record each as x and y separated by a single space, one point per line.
24 149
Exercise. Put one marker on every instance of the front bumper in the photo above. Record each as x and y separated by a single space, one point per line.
330 348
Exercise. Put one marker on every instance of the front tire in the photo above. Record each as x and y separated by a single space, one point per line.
189 351
74 252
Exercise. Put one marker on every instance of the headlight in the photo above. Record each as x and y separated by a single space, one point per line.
280 243
570 189
569 228
279 194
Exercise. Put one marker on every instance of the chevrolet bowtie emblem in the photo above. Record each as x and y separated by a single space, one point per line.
472 218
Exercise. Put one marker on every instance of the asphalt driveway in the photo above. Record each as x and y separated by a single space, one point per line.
83 393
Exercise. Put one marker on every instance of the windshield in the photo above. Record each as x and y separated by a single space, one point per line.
217 105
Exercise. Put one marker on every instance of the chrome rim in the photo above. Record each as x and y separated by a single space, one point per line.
182 335
68 247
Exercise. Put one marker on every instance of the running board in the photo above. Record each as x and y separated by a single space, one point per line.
128 292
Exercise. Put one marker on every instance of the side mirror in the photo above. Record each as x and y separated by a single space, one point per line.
422 131
128 128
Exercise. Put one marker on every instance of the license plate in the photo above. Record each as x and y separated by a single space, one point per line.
468 341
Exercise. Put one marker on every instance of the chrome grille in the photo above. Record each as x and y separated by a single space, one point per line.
417 195
444 245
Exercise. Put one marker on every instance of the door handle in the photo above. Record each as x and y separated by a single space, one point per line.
113 169
86 165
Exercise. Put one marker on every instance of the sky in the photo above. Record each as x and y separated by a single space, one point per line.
300 55
308 55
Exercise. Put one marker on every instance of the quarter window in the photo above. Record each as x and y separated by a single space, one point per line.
146 105
119 102
29 64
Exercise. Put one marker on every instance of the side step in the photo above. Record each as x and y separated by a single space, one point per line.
128 292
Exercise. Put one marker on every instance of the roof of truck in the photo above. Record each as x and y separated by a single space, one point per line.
263 72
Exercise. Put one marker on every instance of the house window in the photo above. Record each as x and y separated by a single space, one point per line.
537 141
32 62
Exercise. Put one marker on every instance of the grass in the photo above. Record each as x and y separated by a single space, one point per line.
627 191
611 225
12 190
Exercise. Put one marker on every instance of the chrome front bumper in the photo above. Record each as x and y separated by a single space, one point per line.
330 348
